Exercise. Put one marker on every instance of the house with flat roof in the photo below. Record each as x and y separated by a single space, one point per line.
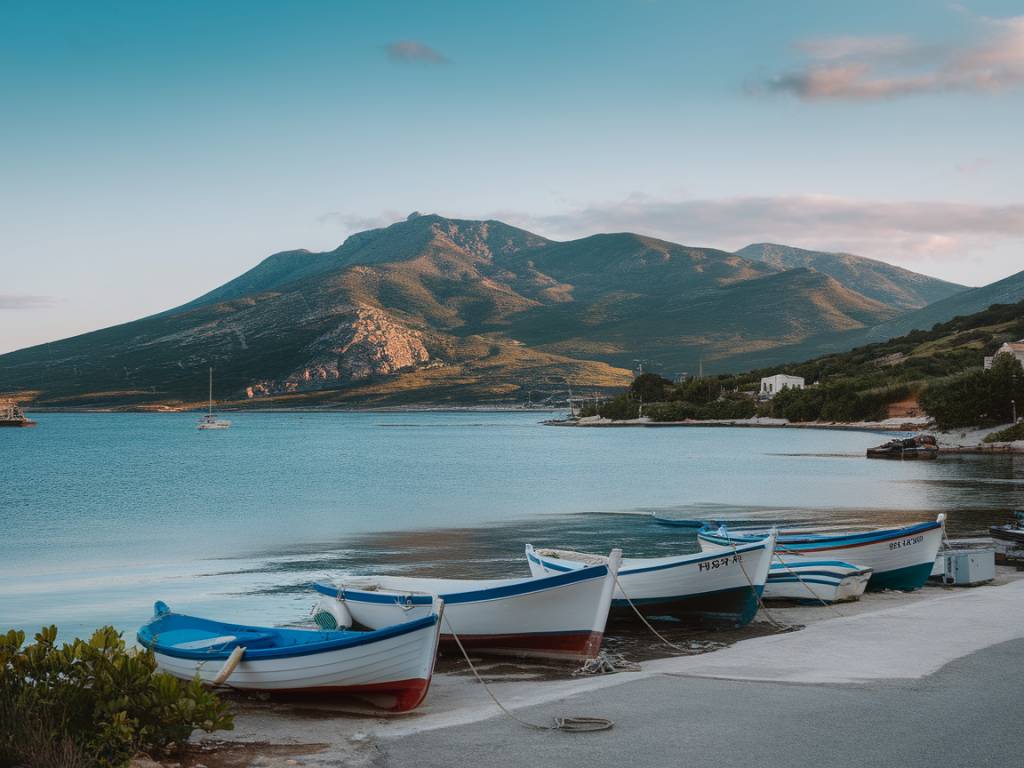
772 385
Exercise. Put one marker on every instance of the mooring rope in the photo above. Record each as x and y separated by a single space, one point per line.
643 618
571 724
757 595
807 586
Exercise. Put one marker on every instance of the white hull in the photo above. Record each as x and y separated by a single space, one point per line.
811 580
706 586
395 666
898 559
548 618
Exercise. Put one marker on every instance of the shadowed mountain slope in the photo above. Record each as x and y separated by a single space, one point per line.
891 285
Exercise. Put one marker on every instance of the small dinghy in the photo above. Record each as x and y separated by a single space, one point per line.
899 558
560 617
917 447
1013 532
810 580
699 588
390 667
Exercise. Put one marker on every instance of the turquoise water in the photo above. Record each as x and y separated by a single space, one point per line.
104 513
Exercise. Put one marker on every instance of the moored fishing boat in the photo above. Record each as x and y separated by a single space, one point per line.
391 667
808 579
697 587
12 416
561 616
899 558
1011 532
917 447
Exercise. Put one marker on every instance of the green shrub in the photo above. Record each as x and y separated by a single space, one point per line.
978 397
94 703
1016 432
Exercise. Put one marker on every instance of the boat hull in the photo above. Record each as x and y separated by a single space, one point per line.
1007 533
392 673
720 589
806 580
559 617
900 558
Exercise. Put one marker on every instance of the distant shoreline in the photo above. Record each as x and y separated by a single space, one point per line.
300 409
946 444
772 424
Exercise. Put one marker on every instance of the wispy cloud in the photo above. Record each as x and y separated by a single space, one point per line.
414 51
852 68
23 301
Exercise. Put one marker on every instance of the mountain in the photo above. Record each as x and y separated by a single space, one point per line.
1006 291
893 286
433 309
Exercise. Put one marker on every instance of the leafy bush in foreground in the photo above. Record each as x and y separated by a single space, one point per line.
94 703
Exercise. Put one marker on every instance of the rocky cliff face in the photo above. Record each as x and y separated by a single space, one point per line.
365 343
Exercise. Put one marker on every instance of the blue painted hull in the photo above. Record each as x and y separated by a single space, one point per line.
903 579
731 608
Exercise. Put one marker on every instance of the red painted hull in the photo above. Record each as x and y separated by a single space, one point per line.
574 646
407 694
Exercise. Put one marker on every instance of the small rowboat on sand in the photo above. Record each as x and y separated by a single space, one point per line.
390 667
899 558
560 617
700 588
812 580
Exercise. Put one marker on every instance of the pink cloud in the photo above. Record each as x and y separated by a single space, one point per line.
872 68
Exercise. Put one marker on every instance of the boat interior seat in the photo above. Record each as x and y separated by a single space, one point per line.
200 639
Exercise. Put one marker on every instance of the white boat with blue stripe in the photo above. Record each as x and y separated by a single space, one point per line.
390 668
899 558
811 580
559 616
698 588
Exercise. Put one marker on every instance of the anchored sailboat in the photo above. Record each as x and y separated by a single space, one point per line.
209 421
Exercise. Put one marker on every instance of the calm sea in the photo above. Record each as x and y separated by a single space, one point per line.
101 514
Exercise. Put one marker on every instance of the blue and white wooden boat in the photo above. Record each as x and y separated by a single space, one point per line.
390 667
702 588
561 616
899 558
812 580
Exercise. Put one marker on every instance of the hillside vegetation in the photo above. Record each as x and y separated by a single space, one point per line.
942 366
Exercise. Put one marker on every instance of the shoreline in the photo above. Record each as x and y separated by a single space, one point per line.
882 639
884 427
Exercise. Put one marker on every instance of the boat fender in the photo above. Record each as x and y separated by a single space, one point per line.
332 614
229 665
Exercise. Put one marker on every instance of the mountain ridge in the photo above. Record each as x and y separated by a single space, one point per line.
433 308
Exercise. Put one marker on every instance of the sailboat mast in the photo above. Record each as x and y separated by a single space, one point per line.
211 391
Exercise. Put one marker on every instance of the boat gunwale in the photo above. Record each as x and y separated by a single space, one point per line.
348 639
517 588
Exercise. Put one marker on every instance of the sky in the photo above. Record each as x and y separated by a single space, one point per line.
151 151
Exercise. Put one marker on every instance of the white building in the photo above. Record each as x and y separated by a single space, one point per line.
1015 348
772 385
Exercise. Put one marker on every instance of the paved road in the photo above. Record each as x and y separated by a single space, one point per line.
967 715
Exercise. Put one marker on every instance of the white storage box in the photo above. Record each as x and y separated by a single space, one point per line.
965 567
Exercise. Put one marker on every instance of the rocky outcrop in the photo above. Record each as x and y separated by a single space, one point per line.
365 343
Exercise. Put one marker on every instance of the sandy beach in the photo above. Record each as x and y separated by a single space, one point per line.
908 665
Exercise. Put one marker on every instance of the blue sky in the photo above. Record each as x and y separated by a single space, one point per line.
149 151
